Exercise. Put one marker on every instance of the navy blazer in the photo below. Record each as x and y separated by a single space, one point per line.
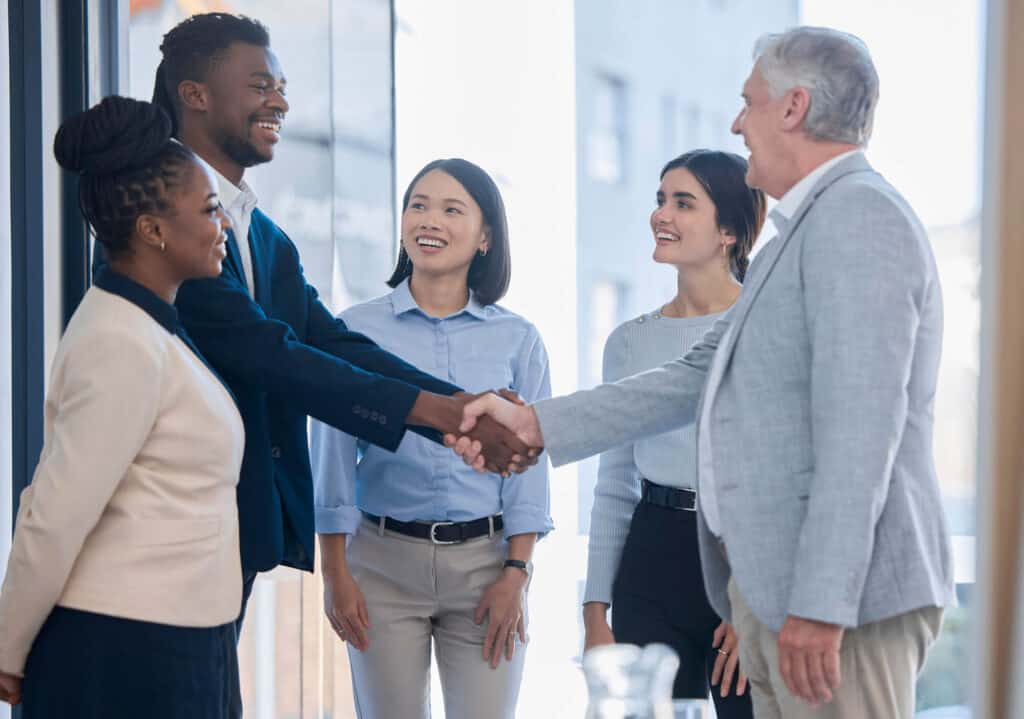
285 356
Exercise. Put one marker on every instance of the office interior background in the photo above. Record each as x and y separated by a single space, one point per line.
573 107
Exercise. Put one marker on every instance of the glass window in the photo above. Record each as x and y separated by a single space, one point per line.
607 143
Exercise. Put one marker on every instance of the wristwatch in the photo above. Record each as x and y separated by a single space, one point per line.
518 564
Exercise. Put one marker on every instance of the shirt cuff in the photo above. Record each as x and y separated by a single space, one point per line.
343 519
526 520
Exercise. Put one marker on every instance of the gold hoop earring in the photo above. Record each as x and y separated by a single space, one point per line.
163 246
483 253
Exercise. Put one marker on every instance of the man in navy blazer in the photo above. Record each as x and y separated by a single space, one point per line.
261 325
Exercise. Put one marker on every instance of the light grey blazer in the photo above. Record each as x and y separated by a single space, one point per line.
821 424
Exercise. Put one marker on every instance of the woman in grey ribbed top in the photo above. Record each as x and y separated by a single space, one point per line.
644 559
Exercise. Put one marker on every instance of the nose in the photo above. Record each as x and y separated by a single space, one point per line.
276 100
658 217
737 124
225 221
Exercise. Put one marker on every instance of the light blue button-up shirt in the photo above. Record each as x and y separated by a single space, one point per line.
478 348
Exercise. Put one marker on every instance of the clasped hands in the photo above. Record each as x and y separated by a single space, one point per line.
487 413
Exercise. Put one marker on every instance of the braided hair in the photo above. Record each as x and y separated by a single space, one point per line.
192 47
127 162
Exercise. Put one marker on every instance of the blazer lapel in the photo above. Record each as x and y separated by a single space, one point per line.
765 265
234 259
260 280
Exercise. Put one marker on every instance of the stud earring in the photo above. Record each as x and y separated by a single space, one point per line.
483 253
163 246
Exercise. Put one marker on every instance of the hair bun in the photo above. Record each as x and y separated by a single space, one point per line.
116 135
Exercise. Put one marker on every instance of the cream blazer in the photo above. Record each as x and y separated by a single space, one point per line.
132 510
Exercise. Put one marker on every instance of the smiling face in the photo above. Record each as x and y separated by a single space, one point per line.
685 225
442 227
194 229
247 103
760 122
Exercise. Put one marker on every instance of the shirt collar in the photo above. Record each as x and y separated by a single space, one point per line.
232 195
402 301
789 202
143 297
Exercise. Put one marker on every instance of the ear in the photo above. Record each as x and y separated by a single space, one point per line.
485 239
797 103
193 95
148 228
727 236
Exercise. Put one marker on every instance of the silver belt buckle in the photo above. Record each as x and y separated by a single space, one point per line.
433 528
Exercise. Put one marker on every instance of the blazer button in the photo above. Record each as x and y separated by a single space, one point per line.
275 452
374 416
382 419
356 409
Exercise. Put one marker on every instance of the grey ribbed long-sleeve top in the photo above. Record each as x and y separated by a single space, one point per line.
669 459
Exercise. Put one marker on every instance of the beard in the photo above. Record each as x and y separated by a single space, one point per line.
243 152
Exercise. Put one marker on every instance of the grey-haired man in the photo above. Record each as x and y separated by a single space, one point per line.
822 530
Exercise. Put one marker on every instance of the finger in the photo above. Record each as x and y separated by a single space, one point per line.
500 638
462 445
336 626
521 628
355 629
786 669
511 396
478 465
716 672
491 640
450 440
741 684
719 635
800 678
510 643
350 632
816 678
729 673
364 615
832 670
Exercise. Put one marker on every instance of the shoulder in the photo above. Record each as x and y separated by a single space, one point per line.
109 332
368 311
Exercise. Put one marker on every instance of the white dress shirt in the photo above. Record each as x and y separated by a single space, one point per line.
786 206
238 201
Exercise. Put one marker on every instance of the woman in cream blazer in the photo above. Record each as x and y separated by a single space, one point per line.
124 576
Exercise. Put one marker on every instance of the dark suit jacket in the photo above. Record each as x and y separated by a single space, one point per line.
285 356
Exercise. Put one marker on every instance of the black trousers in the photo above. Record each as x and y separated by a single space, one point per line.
659 596
93 666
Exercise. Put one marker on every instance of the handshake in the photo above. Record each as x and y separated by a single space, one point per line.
491 431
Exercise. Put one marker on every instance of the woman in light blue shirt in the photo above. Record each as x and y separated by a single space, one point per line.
417 548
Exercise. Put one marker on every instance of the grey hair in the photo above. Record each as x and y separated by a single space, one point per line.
836 70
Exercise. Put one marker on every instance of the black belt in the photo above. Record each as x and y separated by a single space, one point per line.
442 532
670 497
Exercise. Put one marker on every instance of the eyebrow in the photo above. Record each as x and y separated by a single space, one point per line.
268 76
421 196
211 196
680 195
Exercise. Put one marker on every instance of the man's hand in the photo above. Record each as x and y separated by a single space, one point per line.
502 604
496 448
518 418
727 659
10 689
595 622
809 658
345 608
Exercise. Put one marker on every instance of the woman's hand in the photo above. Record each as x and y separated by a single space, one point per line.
727 661
10 689
345 608
502 603
595 622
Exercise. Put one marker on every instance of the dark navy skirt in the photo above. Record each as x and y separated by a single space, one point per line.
92 666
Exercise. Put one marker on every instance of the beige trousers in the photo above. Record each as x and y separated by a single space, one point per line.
420 594
878 664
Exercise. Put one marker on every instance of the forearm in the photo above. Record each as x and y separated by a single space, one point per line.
332 554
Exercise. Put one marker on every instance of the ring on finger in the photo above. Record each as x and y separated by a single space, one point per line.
723 652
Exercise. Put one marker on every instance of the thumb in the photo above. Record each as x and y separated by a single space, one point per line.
472 412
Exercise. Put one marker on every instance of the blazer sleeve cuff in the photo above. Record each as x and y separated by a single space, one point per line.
560 428
343 519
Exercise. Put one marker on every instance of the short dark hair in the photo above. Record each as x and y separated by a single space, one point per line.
193 46
126 160
489 274
739 208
